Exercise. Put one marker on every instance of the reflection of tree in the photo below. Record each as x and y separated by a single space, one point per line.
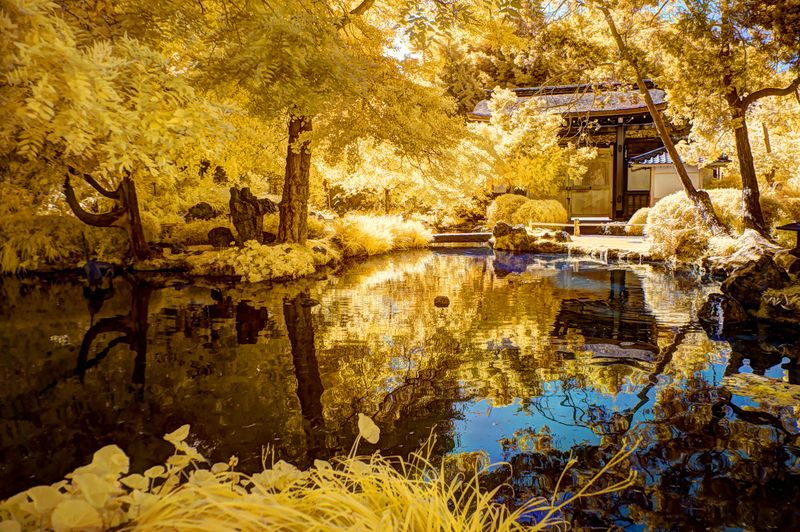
133 327
299 325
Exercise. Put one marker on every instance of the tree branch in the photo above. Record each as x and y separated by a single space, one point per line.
362 8
771 91
357 11
112 194
105 219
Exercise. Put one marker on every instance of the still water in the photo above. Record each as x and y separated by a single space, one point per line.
534 358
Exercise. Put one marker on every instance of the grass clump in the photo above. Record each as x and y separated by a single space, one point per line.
540 211
634 226
361 234
349 493
502 208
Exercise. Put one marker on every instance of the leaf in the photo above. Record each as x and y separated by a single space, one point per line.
367 429
10 526
136 481
154 472
94 488
219 467
108 461
74 514
45 498
178 435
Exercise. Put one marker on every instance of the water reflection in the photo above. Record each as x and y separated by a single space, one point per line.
534 357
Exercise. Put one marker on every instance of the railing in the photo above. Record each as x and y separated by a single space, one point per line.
576 225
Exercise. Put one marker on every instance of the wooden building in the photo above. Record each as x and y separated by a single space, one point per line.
627 173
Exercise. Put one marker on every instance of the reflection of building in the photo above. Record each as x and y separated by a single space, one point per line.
615 119
618 327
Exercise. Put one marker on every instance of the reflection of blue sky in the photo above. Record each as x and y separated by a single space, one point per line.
565 413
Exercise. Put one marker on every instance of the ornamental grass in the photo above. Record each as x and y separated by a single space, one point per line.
348 493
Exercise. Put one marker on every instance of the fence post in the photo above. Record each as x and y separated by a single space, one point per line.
576 227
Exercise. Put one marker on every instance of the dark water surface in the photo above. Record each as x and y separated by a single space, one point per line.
534 357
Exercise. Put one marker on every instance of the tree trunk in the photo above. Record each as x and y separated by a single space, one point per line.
751 197
699 198
771 174
139 248
124 215
294 203
386 199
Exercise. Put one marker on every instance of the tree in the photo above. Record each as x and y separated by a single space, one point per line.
633 58
723 58
325 71
112 115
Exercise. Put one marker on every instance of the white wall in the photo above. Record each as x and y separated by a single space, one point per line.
666 181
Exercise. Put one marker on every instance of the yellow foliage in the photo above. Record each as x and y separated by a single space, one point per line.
258 262
195 232
361 234
544 211
350 493
639 217
676 231
503 208
31 242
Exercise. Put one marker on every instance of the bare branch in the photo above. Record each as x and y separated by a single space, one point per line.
105 219
111 194
771 91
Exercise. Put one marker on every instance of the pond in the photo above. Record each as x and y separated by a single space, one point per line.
534 358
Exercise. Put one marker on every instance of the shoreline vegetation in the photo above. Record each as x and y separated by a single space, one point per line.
668 233
352 492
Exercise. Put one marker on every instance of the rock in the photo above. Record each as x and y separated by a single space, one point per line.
518 239
321 250
269 238
201 211
749 283
562 236
501 229
720 313
247 214
221 237
441 302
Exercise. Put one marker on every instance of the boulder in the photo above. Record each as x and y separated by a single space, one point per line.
501 229
518 239
720 313
201 211
221 237
441 302
748 284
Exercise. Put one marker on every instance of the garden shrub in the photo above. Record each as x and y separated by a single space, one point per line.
542 211
261 262
676 231
633 226
32 242
503 208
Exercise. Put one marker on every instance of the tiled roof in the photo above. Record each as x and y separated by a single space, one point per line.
580 102
661 156
651 158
